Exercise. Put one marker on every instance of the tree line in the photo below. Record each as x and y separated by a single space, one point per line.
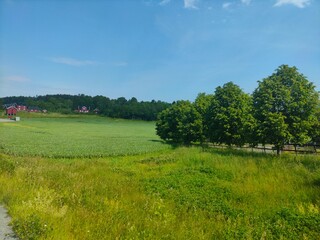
115 108
283 109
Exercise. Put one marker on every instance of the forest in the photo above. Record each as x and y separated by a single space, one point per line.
115 108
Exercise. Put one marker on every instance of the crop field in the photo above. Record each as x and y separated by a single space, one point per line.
151 192
78 137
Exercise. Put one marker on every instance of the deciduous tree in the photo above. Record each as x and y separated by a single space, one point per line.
181 123
229 116
285 105
202 104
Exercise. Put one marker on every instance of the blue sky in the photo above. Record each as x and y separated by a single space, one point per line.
153 49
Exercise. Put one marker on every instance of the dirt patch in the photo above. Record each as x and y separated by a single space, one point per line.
6 232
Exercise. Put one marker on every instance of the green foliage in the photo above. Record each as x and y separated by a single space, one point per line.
193 189
202 104
285 105
31 228
290 223
229 116
284 109
181 123
6 166
315 125
274 130
115 108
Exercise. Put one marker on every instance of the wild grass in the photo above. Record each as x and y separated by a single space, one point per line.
184 193
76 136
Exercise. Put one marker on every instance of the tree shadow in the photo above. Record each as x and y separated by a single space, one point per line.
237 152
157 141
316 182
172 144
223 151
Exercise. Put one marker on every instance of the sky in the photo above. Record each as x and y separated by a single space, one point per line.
153 49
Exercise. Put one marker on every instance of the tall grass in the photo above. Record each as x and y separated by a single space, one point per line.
186 193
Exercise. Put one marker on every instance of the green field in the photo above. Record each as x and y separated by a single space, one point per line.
149 190
78 137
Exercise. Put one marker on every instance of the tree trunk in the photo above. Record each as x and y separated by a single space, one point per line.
278 150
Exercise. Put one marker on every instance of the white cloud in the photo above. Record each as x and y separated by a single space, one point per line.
16 78
190 4
297 3
73 62
226 5
164 2
246 2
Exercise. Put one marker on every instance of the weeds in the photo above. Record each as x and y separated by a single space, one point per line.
31 228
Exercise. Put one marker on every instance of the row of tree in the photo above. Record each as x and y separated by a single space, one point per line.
284 108
116 108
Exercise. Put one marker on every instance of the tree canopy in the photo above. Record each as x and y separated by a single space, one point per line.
283 109
229 114
285 106
181 123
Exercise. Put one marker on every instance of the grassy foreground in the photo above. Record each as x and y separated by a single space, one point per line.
186 193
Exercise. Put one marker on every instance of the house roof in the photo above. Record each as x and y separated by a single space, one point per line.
11 107
8 105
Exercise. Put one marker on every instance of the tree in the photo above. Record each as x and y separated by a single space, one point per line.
315 126
202 104
181 123
100 102
288 100
229 116
275 128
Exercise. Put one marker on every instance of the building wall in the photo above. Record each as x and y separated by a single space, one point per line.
22 108
11 111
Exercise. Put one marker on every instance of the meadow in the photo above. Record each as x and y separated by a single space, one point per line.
77 136
158 192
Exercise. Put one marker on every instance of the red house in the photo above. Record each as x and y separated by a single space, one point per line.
83 109
11 111
21 108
